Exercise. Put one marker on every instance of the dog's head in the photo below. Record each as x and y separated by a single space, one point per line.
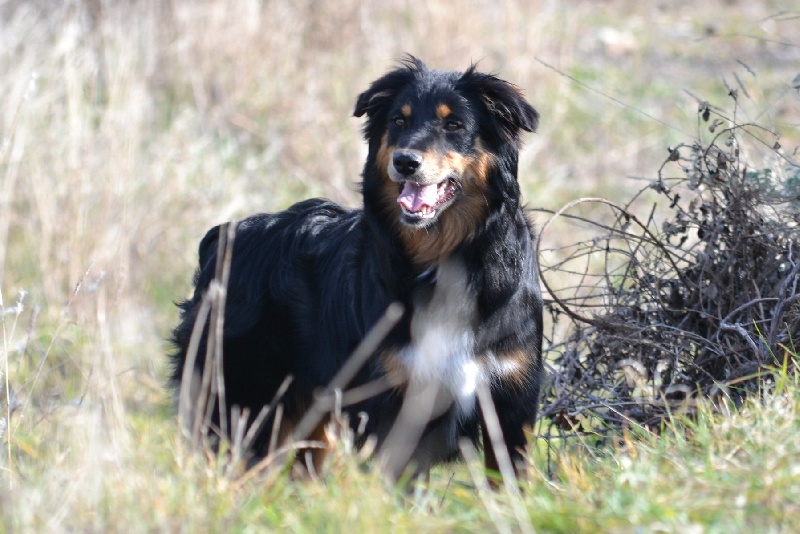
435 135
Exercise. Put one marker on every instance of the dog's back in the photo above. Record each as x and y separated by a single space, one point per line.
289 307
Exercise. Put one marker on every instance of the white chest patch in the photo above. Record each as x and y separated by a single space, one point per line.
442 344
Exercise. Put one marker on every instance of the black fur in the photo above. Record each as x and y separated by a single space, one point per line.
308 283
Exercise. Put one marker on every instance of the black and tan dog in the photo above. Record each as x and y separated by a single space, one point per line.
442 231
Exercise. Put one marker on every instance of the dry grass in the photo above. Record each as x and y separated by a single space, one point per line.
128 128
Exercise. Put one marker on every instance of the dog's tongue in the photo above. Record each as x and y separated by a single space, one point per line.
414 196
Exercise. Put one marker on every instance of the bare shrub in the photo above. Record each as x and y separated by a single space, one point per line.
705 303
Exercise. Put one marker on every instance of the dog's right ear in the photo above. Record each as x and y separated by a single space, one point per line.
383 90
370 100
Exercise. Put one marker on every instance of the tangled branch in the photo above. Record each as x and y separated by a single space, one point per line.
648 315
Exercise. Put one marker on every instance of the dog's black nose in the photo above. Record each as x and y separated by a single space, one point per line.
407 163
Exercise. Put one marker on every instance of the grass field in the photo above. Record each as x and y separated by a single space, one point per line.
127 128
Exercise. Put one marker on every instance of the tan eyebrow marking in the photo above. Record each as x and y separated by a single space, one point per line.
406 110
443 111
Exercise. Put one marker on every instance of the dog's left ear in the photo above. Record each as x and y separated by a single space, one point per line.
504 101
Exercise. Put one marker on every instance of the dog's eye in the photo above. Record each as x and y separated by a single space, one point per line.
452 126
399 121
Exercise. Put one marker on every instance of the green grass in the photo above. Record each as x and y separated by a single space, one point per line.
127 129
718 470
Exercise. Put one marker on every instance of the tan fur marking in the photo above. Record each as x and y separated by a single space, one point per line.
389 190
457 223
516 364
443 111
384 155
312 458
307 459
406 110
395 371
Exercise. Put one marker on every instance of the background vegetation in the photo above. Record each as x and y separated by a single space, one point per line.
127 128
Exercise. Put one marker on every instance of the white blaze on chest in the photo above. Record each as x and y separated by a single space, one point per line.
442 344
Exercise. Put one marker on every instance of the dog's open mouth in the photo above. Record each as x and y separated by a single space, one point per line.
422 202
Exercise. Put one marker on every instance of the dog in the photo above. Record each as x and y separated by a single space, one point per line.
442 231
